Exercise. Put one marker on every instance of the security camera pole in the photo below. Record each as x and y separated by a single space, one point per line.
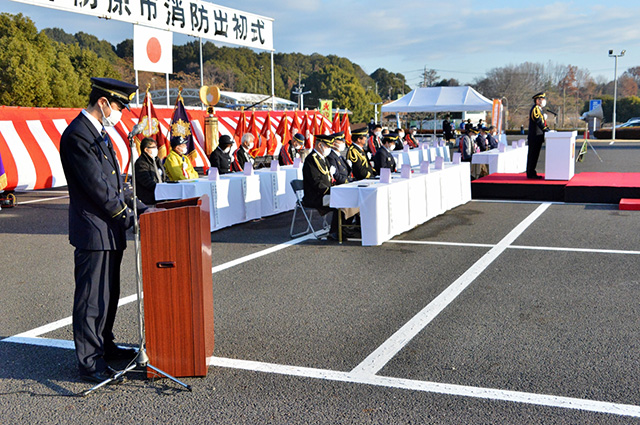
615 90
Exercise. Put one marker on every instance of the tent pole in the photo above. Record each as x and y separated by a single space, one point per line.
435 114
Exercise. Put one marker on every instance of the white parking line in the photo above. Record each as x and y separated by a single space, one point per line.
34 333
33 201
383 354
431 387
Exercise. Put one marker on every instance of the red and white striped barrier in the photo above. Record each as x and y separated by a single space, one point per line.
30 139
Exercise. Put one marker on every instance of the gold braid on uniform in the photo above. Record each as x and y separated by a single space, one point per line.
322 169
537 112
354 156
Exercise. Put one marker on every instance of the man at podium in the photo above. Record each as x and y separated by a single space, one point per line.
99 215
535 138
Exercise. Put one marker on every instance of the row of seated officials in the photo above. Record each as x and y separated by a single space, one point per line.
325 166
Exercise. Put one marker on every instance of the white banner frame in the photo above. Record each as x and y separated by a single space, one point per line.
191 17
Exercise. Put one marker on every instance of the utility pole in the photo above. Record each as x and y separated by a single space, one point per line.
298 91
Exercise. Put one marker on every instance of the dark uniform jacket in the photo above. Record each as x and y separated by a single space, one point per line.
384 159
220 160
481 142
360 166
493 142
537 123
147 177
317 180
240 157
98 214
343 171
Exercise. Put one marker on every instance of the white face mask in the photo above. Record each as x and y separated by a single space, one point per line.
401 135
227 149
153 152
391 146
543 103
181 149
341 147
112 119
326 151
378 133
249 146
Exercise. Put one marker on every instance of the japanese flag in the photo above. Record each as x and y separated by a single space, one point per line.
152 50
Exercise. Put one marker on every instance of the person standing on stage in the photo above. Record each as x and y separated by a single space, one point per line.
221 157
99 215
535 138
357 158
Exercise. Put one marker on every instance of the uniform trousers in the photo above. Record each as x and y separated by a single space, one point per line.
97 276
535 144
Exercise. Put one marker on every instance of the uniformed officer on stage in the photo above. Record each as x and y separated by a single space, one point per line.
317 180
357 158
99 215
535 138
341 171
220 157
383 157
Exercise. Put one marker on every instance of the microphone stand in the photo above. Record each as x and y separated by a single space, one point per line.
142 360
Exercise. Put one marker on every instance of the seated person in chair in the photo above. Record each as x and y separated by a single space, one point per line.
176 164
241 156
317 181
149 171
357 158
383 157
220 157
340 170
292 150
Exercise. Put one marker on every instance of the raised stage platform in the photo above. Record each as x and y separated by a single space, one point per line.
587 187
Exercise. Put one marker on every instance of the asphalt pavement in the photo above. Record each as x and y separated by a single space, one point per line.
493 313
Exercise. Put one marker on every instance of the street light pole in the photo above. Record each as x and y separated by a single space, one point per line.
615 90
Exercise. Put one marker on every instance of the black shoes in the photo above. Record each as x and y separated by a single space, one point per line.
118 353
101 376
535 177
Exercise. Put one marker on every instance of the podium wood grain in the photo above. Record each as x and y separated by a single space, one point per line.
178 288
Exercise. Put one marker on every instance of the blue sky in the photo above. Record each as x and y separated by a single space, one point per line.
461 39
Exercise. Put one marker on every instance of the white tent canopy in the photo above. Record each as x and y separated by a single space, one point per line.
440 99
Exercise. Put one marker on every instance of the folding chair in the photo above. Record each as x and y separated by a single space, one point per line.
298 189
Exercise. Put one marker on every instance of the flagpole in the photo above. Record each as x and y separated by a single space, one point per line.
273 86
167 78
137 90
201 67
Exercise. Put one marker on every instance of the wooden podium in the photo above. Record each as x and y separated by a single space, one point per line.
175 246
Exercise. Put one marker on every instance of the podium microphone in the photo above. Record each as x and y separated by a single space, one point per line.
137 129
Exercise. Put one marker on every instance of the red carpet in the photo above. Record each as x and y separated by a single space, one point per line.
588 187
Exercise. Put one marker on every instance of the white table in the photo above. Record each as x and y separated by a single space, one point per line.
512 160
273 186
387 210
234 198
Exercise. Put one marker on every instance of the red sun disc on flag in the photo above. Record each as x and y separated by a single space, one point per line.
154 50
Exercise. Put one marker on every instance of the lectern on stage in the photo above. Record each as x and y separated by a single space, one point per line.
178 290
559 158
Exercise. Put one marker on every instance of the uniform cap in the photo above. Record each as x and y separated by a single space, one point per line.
299 137
225 140
391 137
116 89
362 132
326 139
541 95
